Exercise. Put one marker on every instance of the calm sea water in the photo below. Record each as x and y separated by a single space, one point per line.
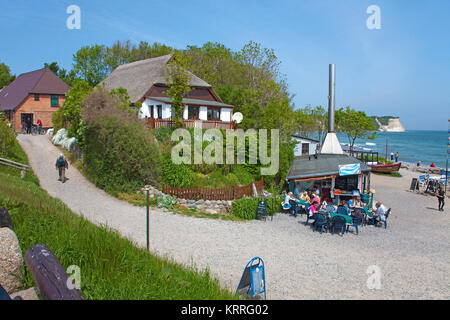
412 146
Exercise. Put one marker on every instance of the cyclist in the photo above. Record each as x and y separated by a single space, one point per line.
61 165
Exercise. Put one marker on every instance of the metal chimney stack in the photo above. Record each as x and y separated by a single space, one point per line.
331 91
331 143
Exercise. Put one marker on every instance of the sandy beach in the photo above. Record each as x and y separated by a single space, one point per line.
412 254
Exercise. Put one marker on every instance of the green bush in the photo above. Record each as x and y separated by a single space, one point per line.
177 175
232 180
7 137
166 202
246 208
243 175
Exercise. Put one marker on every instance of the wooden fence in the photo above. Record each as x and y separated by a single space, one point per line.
227 193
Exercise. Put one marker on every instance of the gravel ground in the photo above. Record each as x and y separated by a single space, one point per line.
412 253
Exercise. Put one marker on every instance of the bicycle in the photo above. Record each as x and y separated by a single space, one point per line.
34 130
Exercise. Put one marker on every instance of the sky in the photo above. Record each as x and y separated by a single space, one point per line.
401 69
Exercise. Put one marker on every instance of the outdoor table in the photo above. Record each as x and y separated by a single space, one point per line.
348 219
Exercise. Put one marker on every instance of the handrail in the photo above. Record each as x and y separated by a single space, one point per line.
22 167
14 163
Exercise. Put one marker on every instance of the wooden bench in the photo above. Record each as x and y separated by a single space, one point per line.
50 277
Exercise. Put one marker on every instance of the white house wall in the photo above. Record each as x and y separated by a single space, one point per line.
298 146
203 113
225 114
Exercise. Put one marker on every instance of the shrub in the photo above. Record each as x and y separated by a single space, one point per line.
246 208
177 175
120 154
243 176
232 180
166 202
7 137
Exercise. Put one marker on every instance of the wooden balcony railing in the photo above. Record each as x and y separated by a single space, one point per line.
205 124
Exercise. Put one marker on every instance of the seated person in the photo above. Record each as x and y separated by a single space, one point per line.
380 212
351 203
313 209
358 202
342 208
315 198
289 196
296 193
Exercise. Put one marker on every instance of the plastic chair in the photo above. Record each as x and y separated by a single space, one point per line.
386 216
320 222
339 223
357 221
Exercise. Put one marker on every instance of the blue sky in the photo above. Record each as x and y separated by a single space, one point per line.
402 69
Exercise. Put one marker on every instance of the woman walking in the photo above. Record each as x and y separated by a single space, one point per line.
441 198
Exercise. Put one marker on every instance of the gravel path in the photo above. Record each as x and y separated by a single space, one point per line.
413 253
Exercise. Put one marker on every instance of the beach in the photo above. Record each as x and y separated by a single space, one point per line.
412 254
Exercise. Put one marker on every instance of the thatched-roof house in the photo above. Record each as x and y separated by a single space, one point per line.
145 81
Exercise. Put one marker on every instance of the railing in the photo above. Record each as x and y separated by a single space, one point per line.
227 193
205 124
364 156
22 167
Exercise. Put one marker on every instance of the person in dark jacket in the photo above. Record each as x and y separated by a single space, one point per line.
61 165
440 194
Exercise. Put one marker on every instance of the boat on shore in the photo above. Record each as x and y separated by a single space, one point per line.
385 168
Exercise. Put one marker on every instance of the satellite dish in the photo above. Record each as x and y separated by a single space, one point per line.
237 117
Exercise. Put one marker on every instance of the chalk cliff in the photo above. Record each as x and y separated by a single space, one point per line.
389 124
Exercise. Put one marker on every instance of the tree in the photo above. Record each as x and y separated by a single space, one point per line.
69 115
7 137
5 75
178 81
355 124
90 64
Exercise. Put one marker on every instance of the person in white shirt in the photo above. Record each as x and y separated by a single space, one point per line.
380 213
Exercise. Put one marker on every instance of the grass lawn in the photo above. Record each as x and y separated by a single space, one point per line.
111 267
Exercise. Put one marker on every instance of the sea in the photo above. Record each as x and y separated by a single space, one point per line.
412 146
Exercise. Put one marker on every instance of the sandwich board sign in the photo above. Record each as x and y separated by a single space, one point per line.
253 279
262 210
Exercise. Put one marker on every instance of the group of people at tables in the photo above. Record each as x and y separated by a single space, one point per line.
314 205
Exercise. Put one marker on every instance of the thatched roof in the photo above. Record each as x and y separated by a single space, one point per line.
138 77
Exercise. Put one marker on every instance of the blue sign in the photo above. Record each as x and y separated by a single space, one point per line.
349 169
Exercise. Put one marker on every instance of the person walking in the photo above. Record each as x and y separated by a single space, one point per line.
61 165
396 156
441 197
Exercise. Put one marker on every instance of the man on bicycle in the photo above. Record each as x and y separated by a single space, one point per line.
61 165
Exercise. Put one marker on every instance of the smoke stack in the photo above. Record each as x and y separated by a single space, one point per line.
331 88
331 143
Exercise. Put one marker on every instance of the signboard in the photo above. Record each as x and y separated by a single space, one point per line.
349 169
253 280
262 210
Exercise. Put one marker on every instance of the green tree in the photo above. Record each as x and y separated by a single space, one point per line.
178 79
90 64
69 115
5 75
355 124
7 137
